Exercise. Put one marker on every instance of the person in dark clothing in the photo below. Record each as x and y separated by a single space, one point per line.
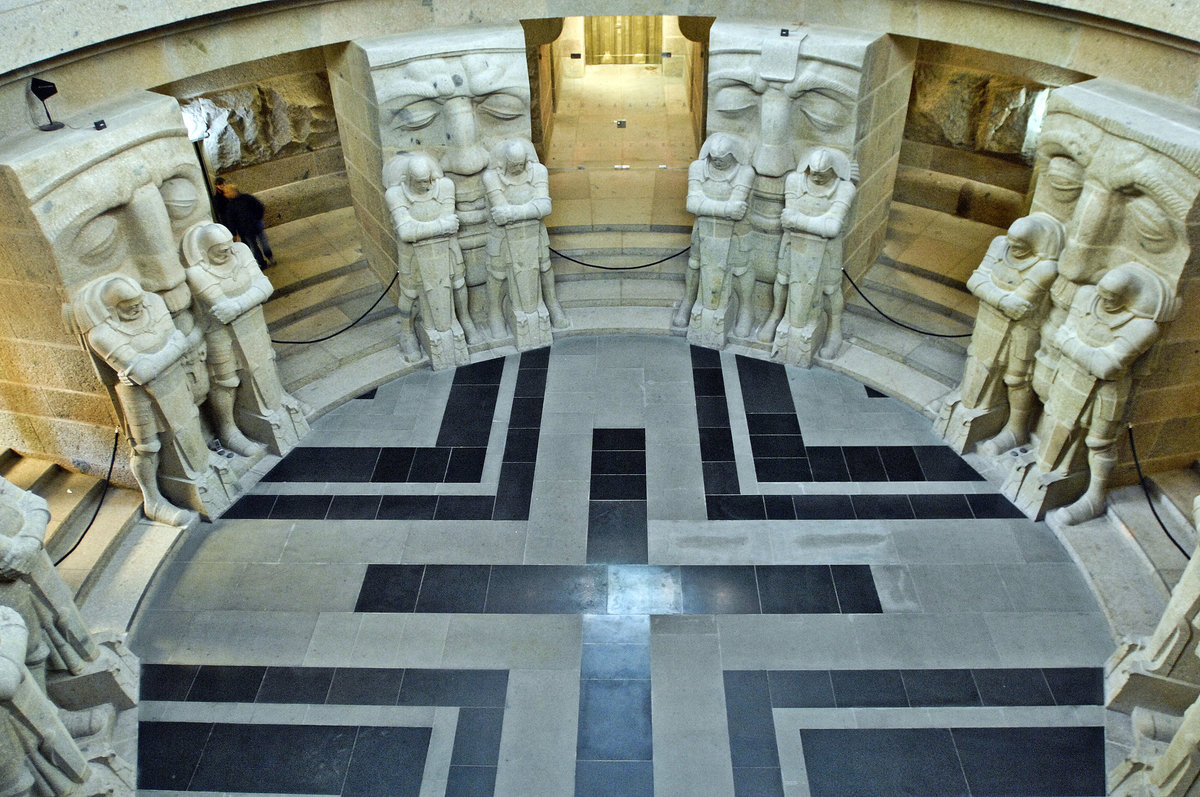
243 214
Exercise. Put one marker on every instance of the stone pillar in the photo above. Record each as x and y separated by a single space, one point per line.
1120 169
787 90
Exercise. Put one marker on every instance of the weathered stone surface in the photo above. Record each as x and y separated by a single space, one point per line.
259 122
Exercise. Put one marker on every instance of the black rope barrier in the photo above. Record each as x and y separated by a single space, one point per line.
352 323
1146 489
103 494
899 323
621 268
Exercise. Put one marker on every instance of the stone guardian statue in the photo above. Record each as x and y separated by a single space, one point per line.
518 194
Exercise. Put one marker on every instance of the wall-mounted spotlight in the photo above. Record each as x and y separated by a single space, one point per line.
42 89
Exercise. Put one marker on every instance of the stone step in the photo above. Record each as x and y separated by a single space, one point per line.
1170 493
72 498
334 290
25 472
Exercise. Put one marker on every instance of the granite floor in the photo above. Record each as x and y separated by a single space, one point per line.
621 566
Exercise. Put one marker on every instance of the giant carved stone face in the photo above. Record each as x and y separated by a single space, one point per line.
784 94
453 94
1121 176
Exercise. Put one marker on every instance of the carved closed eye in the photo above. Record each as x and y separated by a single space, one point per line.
416 115
1065 178
98 239
735 99
502 106
180 197
1153 225
827 110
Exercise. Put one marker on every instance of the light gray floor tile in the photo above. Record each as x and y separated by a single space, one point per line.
516 641
1050 639
947 589
537 747
1050 586
923 641
897 592
789 642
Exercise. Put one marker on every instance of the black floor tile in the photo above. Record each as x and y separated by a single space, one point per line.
772 423
873 393
941 464
614 779
868 689
304 759
992 505
226 684
470 781
719 589
615 661
296 685
1013 687
1076 686
365 686
514 491
864 464
393 465
166 681
301 507
531 382
882 762
823 507
548 589
466 465
1032 761
712 411
764 446
614 721
464 507
764 386
390 588
779 507
882 507
453 589
251 507
855 589
708 382
628 462
716 444
462 688
521 445
387 762
735 507
721 478
828 463
535 358
618 439
901 464
407 507
751 724
526 413
705 358
370 394
801 689
484 372
617 532
757 782
927 506
325 464
618 487
168 753
467 418
782 470
353 507
429 465
940 688
796 589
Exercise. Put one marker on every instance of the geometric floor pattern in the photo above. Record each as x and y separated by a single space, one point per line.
621 566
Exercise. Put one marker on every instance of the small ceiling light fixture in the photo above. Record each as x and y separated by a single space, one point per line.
42 89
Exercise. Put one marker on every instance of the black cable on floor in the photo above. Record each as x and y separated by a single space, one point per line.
621 268
1146 490
352 323
894 321
107 481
